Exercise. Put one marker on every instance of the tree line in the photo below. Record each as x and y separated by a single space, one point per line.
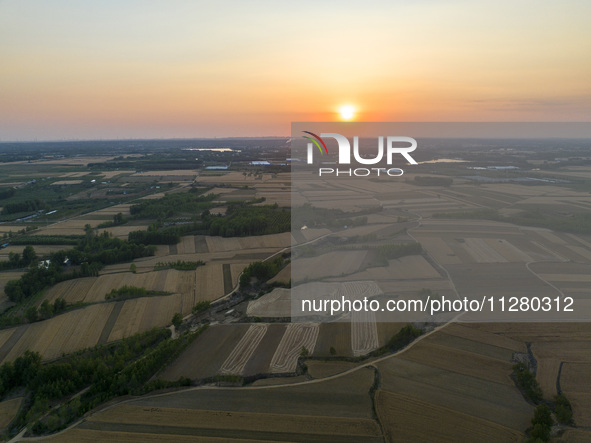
108 371
91 253
243 220
16 260
24 206
261 271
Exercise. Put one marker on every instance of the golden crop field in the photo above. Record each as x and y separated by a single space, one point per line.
73 226
66 182
412 267
406 419
63 334
71 290
209 282
5 277
8 410
217 342
298 335
86 435
186 245
244 350
223 244
94 289
108 175
40 250
318 398
276 303
574 356
332 264
167 173
574 436
576 377
553 345
364 333
142 314
12 227
477 397
460 361
112 210
239 424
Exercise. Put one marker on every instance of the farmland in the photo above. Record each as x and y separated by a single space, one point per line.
59 335
244 350
259 415
8 410
467 240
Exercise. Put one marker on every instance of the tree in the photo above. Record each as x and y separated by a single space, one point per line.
14 258
543 415
31 314
542 423
540 433
88 231
29 255
564 412
59 305
14 291
133 268
304 352
177 319
333 351
46 310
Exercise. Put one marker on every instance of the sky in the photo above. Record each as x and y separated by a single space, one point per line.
177 69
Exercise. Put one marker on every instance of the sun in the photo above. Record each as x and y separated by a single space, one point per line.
347 112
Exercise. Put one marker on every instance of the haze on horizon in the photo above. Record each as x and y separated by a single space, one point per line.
175 69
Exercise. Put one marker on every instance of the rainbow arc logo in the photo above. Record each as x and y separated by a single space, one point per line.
316 142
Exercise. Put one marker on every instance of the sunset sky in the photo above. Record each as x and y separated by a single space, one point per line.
160 69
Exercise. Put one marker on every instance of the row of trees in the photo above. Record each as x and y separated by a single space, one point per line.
179 265
542 420
7 193
91 253
52 382
31 282
16 260
118 220
108 371
173 204
241 221
71 240
23 206
154 236
125 292
46 310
